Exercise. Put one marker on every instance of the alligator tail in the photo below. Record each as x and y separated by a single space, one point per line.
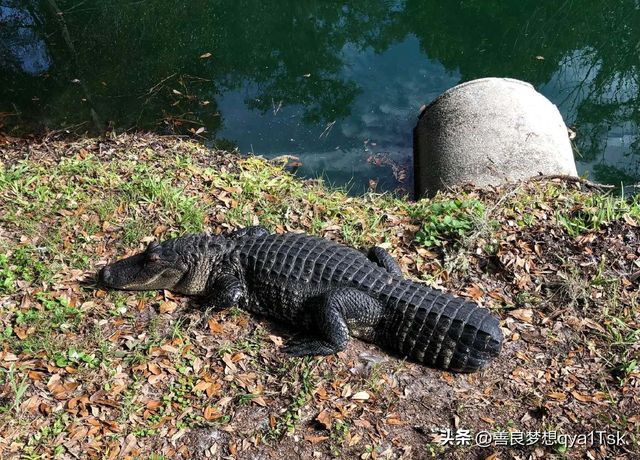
447 332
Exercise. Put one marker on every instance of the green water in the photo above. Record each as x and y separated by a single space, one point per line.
336 84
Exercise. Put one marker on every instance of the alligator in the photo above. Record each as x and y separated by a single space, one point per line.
330 290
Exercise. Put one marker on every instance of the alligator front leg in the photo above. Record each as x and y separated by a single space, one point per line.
333 317
226 291
383 259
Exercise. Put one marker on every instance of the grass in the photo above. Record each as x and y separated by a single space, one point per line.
588 214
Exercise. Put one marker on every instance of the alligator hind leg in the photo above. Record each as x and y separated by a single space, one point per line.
383 259
334 316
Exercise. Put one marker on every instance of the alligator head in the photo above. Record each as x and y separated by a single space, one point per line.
183 265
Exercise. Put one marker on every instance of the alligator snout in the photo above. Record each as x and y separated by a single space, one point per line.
104 275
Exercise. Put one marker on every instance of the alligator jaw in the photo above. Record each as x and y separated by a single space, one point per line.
124 274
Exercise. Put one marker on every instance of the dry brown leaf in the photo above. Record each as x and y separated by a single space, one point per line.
201 386
324 418
363 424
227 360
224 401
169 348
395 421
153 379
167 307
20 332
523 314
154 368
214 326
591 324
211 413
361 396
315 439
629 220
154 404
355 440
129 444
259 400
583 398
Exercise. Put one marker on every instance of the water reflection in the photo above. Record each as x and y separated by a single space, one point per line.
338 85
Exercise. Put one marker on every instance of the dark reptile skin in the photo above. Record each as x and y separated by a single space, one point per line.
283 273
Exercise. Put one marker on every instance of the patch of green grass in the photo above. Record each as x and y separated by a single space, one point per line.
25 264
45 437
338 435
175 203
590 212
19 385
449 220
304 380
47 322
136 229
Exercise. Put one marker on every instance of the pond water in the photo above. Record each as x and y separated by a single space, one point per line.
338 85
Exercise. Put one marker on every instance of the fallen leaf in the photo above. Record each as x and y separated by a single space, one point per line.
214 326
523 314
324 418
167 307
315 439
629 220
363 424
201 386
583 398
361 396
129 444
227 360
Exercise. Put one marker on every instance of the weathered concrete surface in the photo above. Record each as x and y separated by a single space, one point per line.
489 131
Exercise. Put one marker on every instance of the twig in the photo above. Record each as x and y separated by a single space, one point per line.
327 130
157 84
573 179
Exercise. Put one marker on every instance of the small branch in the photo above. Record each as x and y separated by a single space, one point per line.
573 179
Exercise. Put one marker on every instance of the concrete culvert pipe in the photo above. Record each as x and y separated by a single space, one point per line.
489 131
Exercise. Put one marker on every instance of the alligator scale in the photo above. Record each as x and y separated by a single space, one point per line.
331 290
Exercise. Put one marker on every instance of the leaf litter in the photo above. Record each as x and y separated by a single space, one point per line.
88 373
